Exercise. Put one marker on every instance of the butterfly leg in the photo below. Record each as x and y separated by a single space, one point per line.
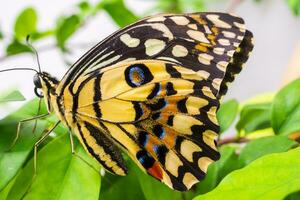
39 142
77 155
19 127
38 113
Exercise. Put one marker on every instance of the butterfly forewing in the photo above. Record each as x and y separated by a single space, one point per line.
153 90
199 41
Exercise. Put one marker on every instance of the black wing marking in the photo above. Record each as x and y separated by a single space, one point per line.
203 42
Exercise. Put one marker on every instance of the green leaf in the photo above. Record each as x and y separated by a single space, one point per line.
42 34
12 160
259 99
293 196
116 187
254 117
85 8
270 177
263 146
26 23
218 170
16 47
294 6
286 109
12 96
173 6
60 174
227 114
66 27
4 192
1 35
118 12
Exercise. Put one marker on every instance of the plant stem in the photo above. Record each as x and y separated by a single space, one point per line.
232 140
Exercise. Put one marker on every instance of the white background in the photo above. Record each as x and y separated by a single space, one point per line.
276 32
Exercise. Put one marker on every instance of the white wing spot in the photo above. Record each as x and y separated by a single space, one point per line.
205 58
128 60
219 50
216 21
129 41
230 53
229 34
101 58
163 28
222 65
193 26
240 37
236 44
217 83
157 19
207 30
224 42
168 58
107 62
203 74
154 46
179 51
180 20
242 27
197 35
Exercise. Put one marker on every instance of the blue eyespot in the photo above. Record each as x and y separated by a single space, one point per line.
137 75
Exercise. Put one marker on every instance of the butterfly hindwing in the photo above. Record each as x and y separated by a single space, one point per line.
162 114
100 147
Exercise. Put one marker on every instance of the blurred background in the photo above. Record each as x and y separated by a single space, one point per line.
274 61
62 31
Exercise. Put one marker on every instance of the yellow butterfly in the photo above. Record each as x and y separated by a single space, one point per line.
152 89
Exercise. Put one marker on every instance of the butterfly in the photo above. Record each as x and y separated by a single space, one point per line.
152 89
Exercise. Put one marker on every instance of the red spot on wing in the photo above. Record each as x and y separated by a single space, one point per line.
156 171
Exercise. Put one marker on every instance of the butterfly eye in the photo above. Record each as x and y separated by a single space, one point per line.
37 81
137 75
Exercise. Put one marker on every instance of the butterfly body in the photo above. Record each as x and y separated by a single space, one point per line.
153 89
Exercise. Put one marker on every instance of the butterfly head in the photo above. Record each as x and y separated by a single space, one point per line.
45 86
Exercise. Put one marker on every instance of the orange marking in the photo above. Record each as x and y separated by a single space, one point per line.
201 48
215 30
199 19
156 171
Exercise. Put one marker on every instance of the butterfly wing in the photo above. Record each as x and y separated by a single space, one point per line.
163 115
198 41
153 89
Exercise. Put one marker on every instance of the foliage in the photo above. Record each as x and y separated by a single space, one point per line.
262 153
294 6
277 169
11 96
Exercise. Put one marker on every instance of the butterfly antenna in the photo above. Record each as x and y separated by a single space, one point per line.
17 69
34 51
